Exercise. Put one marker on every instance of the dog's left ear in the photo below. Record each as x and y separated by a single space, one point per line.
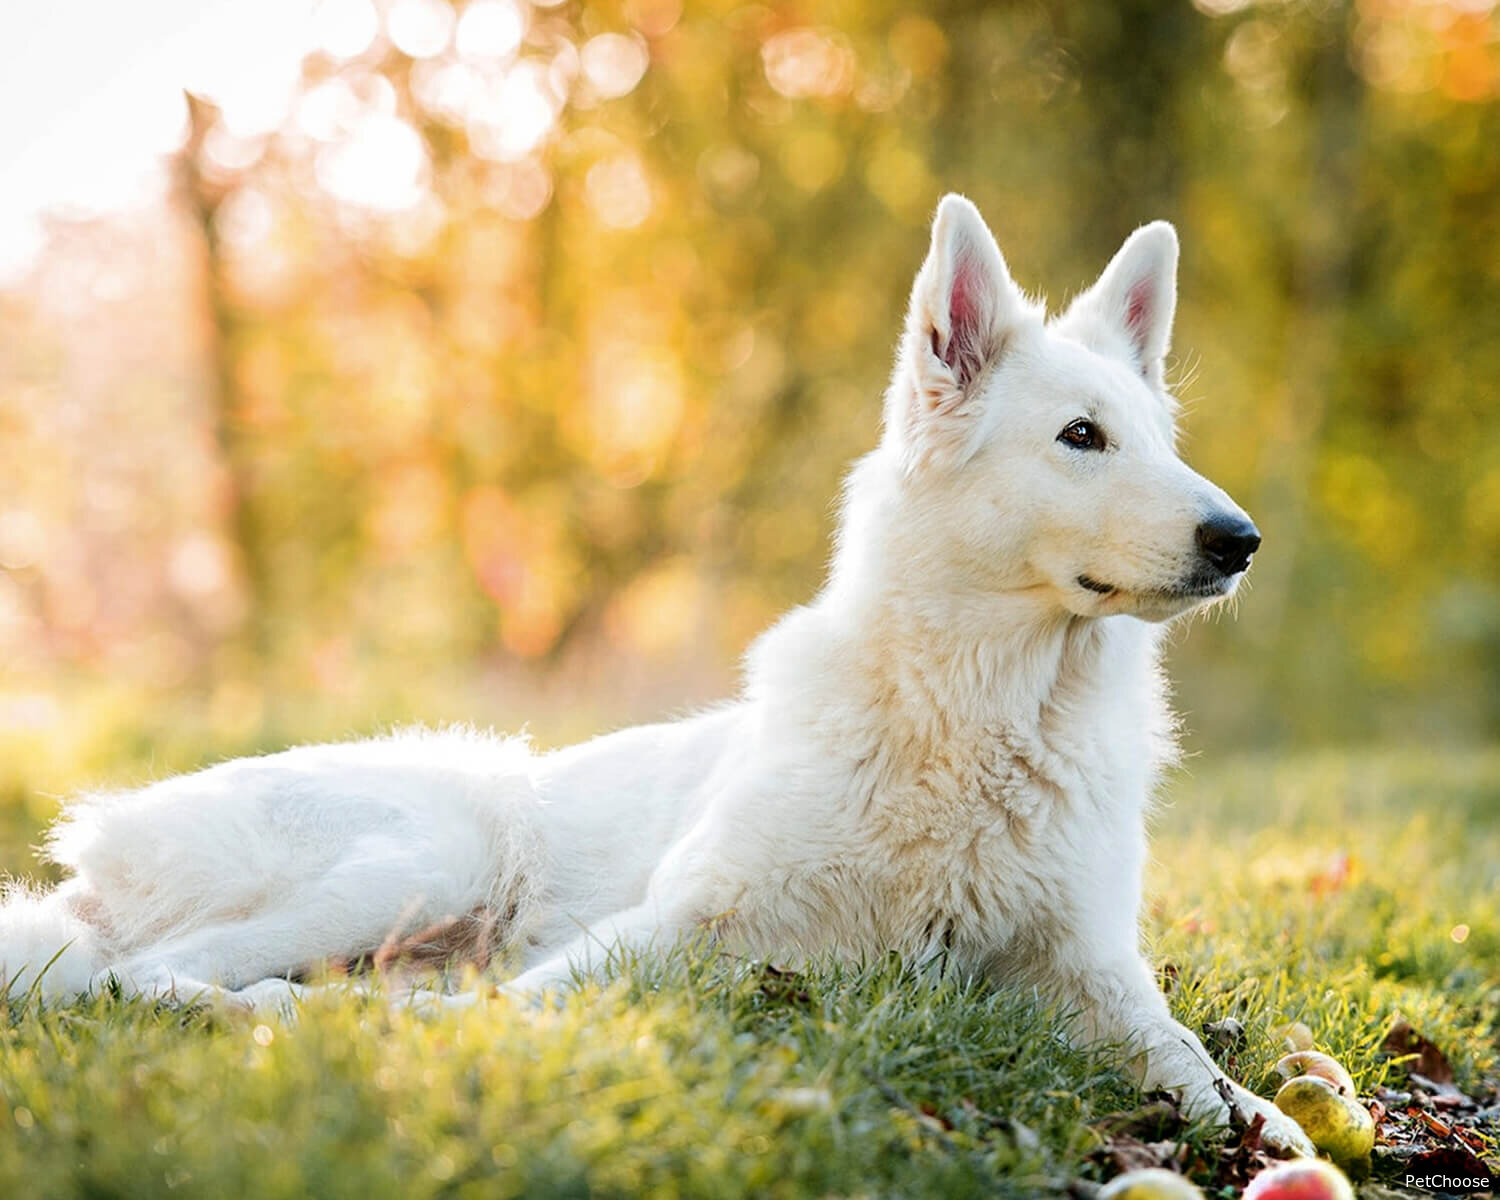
1131 306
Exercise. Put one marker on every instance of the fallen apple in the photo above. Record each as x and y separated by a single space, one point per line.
1151 1183
1336 1124
1295 1036
1319 1066
1305 1179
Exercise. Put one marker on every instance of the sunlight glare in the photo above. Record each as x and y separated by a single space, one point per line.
247 60
229 153
517 114
200 567
633 409
244 218
22 539
490 29
381 166
22 240
327 110
420 28
345 28
448 91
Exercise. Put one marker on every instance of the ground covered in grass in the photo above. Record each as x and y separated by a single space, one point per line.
1343 892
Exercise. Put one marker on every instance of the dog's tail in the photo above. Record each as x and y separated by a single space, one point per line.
45 947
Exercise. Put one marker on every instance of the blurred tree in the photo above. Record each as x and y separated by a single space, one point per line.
543 331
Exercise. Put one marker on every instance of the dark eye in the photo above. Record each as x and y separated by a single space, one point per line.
1082 435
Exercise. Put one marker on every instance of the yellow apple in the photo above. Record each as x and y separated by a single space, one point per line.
1318 1065
1152 1183
1295 1036
1336 1124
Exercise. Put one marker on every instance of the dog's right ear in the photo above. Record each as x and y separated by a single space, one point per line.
963 306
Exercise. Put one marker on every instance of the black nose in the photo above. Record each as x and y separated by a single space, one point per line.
1228 542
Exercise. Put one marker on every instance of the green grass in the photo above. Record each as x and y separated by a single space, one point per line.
706 1077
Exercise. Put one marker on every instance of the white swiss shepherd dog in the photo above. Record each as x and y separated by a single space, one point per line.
950 752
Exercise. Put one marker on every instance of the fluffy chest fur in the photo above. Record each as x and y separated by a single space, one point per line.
973 803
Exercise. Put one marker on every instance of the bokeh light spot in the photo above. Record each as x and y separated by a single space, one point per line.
21 539
807 62
520 190
515 115
420 28
618 192
653 17
490 29
447 91
614 63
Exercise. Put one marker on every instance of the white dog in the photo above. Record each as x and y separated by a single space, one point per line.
948 753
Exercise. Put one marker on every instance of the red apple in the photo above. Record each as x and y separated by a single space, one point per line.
1304 1179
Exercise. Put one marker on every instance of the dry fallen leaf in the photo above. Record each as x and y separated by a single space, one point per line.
1421 1056
1454 1162
1123 1153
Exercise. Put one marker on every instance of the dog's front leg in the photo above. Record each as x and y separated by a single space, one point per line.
1121 1005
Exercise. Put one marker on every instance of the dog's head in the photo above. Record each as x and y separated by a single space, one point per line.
1037 454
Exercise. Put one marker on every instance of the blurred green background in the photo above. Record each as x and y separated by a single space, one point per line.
508 369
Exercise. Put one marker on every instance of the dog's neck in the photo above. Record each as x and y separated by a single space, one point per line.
955 669
971 660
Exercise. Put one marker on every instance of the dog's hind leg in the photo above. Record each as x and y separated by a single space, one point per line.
263 867
270 997
364 901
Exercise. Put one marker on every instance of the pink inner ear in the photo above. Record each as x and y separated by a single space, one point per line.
1138 312
965 304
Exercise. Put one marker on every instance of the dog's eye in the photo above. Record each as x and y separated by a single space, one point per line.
1083 435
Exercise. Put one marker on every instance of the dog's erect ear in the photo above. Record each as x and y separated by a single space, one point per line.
963 304
1136 297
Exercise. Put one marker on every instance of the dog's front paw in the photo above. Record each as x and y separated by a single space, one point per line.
1279 1134
1282 1135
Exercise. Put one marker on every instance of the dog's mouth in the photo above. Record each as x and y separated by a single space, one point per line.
1199 587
